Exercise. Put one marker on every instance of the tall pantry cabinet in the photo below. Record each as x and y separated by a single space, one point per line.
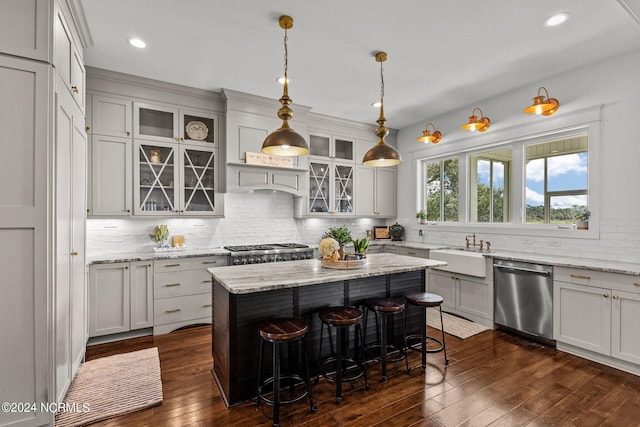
42 206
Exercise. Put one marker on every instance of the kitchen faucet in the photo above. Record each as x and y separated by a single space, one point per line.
474 244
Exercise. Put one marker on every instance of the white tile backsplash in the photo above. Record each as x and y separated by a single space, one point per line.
254 217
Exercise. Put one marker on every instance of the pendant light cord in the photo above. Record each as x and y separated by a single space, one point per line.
381 84
286 55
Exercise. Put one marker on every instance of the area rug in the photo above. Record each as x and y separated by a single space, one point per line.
112 386
454 325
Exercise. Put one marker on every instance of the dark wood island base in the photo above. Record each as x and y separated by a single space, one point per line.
237 312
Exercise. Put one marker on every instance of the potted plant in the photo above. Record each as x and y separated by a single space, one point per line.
582 219
361 246
422 217
342 235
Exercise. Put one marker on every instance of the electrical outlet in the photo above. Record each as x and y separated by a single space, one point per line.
526 241
198 222
110 224
555 243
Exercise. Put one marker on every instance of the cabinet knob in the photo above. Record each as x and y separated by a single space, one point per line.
88 210
128 133
615 297
87 128
177 138
126 267
75 89
74 253
128 210
605 295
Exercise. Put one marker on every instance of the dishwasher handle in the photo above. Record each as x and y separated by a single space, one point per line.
527 270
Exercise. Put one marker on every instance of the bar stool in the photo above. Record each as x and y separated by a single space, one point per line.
341 318
386 307
277 332
423 300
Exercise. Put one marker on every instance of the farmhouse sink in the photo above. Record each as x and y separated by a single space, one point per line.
460 261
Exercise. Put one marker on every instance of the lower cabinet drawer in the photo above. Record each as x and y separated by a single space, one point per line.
178 309
181 283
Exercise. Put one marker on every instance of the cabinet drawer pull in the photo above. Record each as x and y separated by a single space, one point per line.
636 284
605 295
74 253
207 305
172 265
411 253
175 310
169 285
209 262
75 89
615 297
579 276
206 281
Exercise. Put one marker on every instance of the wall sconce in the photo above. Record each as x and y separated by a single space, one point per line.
541 106
427 136
285 141
481 124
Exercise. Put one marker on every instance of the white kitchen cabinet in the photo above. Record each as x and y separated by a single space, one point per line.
70 194
466 296
175 178
111 176
174 124
182 292
67 58
375 188
24 28
120 297
400 250
111 116
598 312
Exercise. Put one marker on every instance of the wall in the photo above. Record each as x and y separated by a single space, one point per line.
614 87
250 218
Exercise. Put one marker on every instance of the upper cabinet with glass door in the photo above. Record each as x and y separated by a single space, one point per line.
171 124
331 175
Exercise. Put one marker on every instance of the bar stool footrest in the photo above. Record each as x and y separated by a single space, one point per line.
390 349
299 381
354 365
419 343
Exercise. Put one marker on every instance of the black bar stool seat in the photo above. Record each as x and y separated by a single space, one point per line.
277 332
386 307
424 300
341 318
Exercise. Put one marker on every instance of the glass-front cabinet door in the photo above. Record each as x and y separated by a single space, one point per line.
155 178
331 147
330 188
197 174
343 188
159 123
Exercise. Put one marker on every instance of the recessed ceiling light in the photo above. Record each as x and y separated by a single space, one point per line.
556 19
135 42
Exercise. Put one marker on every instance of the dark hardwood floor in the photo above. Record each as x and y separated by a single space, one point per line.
493 379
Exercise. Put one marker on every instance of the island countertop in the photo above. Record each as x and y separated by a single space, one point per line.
266 277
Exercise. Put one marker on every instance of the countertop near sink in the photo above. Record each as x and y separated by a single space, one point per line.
151 255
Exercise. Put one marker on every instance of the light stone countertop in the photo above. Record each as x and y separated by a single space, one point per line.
153 255
281 275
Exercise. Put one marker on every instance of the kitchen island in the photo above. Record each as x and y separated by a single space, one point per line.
243 296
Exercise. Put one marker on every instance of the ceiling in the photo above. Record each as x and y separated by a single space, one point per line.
443 54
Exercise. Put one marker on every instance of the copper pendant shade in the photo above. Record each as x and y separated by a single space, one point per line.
381 154
285 141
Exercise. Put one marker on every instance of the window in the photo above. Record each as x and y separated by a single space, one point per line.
489 186
441 189
556 180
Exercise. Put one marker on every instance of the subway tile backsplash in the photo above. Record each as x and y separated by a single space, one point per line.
254 217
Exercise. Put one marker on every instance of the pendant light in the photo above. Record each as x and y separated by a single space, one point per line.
541 106
480 124
427 136
285 141
382 154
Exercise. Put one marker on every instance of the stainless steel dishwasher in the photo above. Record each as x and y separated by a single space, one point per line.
523 294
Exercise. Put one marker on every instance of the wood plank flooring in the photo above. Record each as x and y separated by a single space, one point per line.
493 379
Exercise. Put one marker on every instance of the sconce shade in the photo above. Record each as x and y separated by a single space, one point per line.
477 124
542 106
427 136
285 141
381 154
